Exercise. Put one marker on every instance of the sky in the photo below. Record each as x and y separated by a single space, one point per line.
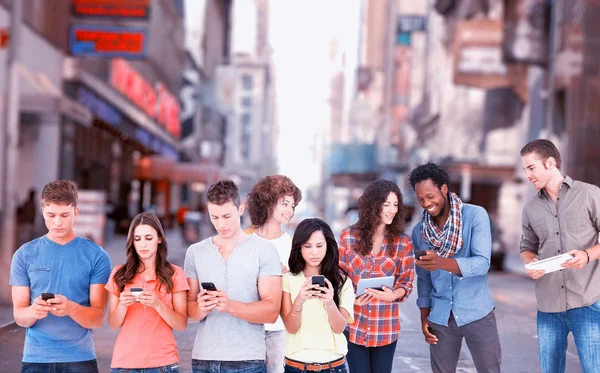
301 32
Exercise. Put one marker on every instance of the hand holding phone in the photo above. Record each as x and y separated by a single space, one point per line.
136 292
419 254
209 286
319 280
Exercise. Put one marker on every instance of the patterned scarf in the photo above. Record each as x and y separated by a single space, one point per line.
448 241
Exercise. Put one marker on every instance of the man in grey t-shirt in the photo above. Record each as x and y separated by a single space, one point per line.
246 271
564 217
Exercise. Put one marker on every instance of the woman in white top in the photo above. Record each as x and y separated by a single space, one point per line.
271 203
315 316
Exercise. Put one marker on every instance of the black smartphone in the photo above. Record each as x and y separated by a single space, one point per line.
419 254
46 296
136 291
319 280
208 286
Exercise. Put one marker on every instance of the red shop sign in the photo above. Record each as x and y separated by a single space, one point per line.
158 103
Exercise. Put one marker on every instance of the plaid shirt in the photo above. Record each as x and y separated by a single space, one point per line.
378 323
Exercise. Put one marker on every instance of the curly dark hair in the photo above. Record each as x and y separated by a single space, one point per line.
370 205
223 191
329 265
429 171
133 264
264 195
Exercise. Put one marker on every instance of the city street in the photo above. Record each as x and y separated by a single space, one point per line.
515 312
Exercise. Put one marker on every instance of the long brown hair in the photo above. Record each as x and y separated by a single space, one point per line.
370 205
133 265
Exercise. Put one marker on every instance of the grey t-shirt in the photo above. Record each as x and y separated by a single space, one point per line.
220 336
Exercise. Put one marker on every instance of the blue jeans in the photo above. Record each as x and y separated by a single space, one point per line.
363 359
244 366
553 329
89 366
171 368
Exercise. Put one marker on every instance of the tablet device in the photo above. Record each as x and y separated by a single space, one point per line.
551 264
374 283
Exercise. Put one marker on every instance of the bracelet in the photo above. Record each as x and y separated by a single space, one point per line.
588 256
294 313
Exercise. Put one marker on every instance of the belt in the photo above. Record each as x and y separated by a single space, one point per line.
315 367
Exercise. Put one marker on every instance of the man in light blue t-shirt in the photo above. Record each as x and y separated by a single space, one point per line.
72 268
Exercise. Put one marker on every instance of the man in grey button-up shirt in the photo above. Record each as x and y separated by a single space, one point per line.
564 217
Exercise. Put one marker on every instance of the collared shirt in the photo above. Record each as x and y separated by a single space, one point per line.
551 229
377 323
467 296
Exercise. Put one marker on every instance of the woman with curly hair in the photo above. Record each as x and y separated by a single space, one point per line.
271 203
376 246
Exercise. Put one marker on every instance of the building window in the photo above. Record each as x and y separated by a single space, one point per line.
247 101
247 82
246 120
246 134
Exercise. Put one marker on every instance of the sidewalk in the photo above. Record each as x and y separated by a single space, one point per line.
116 250
513 264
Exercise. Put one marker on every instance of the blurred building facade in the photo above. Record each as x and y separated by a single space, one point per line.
252 146
204 123
521 76
100 102
466 84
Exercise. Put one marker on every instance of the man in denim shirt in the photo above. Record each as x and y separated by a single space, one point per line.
564 217
452 286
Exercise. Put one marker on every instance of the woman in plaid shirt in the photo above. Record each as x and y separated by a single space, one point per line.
376 246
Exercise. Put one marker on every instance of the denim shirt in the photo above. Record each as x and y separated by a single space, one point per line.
467 296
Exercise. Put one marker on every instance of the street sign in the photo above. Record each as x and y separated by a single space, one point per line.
478 56
136 9
4 37
411 23
108 41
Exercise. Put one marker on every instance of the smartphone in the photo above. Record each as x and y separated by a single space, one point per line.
46 296
136 292
319 280
420 253
208 286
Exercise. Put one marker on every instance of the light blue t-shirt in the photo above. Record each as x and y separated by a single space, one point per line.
47 267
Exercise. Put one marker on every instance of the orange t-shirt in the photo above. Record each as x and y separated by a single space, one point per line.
145 339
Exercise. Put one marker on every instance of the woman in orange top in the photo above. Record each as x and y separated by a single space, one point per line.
147 318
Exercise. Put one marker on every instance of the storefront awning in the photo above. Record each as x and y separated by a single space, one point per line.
190 172
479 173
39 95
157 167
154 167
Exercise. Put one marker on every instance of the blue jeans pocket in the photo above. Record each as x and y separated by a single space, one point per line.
594 306
173 368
